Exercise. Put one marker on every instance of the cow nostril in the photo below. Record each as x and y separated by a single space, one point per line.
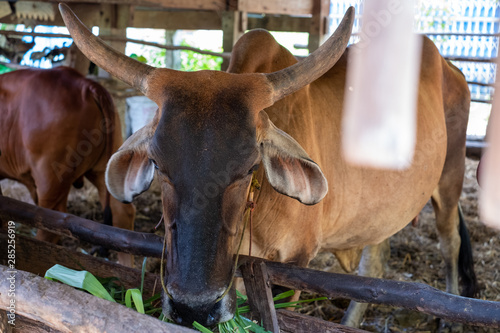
211 320
213 317
174 315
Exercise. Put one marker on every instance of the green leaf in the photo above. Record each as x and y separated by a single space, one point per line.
250 325
200 327
295 304
285 294
78 279
143 273
136 296
139 58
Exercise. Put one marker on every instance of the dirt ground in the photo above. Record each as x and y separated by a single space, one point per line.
415 255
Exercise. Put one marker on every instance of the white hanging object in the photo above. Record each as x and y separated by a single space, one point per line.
379 120
489 196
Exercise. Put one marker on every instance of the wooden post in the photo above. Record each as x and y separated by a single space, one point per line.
114 22
234 25
260 297
319 24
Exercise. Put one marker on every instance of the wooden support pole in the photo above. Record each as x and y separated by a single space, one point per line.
319 24
260 298
234 24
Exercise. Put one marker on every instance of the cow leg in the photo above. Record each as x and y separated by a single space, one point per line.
55 198
452 231
123 214
372 264
449 238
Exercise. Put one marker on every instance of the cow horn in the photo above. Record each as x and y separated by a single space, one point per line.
293 78
117 64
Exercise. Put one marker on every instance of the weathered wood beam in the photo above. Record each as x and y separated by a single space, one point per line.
37 257
258 287
280 23
177 20
193 20
138 243
414 296
26 325
287 7
291 322
69 310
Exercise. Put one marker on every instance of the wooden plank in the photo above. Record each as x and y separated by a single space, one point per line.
157 3
37 257
288 7
414 296
69 310
27 325
193 20
280 23
217 5
260 296
291 322
177 20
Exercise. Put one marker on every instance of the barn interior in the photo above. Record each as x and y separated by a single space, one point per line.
465 32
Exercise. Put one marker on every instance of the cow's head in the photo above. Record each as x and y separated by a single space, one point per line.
208 136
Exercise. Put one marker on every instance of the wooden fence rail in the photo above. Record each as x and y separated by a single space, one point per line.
415 296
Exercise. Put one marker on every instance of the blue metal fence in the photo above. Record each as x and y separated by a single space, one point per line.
465 31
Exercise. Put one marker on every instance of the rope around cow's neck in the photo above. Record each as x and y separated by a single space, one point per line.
250 206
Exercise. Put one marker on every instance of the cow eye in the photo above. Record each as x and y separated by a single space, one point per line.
254 168
154 163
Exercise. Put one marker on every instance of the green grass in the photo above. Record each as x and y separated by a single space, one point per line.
111 290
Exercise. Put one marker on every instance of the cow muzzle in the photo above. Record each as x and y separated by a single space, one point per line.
209 313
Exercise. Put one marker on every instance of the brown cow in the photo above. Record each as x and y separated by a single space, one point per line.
213 129
57 127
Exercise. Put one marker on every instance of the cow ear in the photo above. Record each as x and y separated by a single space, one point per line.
130 171
289 169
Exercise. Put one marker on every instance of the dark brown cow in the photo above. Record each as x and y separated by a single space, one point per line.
213 129
58 127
